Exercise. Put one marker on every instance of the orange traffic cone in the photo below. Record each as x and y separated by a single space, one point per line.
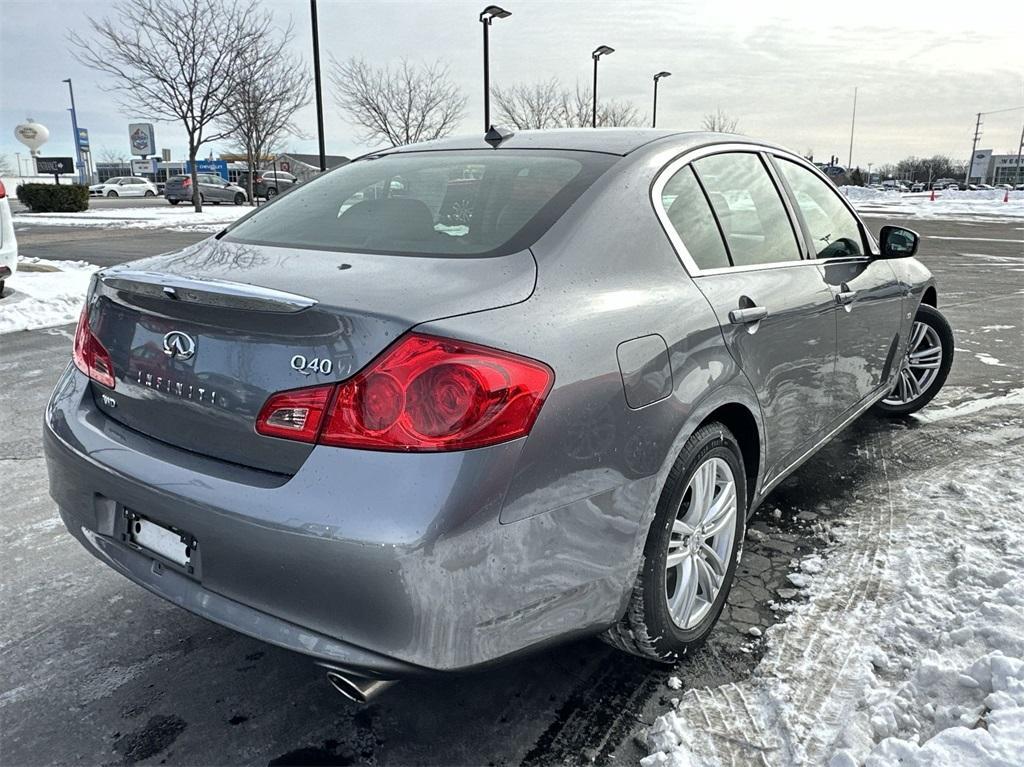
1006 196
932 198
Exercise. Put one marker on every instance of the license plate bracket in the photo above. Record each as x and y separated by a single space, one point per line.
167 542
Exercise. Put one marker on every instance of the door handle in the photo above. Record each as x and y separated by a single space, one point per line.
748 315
845 295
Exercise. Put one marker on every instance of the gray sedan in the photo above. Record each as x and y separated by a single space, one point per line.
404 442
212 188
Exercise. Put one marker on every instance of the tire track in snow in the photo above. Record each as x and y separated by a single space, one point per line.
810 683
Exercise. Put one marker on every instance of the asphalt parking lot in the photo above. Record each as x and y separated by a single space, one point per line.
99 671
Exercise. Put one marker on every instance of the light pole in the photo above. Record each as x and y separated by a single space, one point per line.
654 112
316 80
74 131
487 15
601 50
853 124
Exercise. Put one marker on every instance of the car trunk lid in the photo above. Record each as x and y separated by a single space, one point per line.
200 339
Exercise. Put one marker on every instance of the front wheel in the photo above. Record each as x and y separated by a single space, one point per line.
239 198
923 367
691 552
174 202
111 194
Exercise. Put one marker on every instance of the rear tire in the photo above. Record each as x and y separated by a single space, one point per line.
149 193
271 193
174 202
651 626
917 382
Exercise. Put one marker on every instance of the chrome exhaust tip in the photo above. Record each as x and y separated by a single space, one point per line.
356 689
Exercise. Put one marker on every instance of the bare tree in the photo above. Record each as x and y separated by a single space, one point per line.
720 122
175 61
400 105
547 104
260 112
113 156
536 106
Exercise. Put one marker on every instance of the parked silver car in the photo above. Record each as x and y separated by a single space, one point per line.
212 188
401 443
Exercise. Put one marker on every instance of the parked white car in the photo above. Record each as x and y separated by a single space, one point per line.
124 186
8 243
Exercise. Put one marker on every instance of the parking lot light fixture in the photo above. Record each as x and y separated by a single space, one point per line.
601 50
487 15
654 111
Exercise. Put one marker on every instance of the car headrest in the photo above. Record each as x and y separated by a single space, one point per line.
398 217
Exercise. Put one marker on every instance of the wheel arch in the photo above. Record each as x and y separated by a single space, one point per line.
744 427
930 297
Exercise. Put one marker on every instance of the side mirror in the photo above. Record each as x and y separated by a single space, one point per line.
898 242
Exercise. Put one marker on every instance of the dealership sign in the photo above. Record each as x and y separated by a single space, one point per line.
83 139
142 167
141 137
217 167
54 165
979 163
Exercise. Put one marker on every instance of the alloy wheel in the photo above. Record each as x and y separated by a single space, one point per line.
701 543
919 367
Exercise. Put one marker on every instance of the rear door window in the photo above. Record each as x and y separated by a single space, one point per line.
748 206
689 214
834 229
454 203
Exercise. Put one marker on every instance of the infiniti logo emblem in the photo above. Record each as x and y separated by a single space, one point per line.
178 345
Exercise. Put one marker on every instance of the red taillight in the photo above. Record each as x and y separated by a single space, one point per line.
295 414
187 181
3 190
423 394
89 354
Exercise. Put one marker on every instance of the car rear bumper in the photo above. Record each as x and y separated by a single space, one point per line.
387 564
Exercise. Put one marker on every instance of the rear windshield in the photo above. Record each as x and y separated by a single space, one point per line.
460 203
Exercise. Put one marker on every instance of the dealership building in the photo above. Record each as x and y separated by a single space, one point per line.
988 168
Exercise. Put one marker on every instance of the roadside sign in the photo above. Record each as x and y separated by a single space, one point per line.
83 139
220 167
286 166
142 167
54 165
141 138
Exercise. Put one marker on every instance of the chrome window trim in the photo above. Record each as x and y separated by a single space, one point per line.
665 174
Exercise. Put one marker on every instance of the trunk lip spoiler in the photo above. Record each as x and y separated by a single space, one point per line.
205 291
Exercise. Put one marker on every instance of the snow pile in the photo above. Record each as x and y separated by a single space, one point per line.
910 648
180 218
44 293
948 204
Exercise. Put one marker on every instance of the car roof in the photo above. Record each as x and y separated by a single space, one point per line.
617 141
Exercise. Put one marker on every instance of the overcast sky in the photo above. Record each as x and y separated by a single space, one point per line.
786 69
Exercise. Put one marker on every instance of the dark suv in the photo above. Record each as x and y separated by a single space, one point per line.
268 183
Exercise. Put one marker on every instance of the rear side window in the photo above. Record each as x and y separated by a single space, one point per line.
457 203
688 212
833 228
748 206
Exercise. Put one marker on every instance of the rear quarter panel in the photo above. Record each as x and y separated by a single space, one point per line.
592 465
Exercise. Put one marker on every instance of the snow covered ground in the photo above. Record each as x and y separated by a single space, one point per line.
178 218
44 293
952 205
909 648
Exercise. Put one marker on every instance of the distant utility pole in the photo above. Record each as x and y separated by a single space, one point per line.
316 79
853 124
974 147
1020 146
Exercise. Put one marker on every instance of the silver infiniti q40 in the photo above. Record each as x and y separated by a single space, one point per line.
458 400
